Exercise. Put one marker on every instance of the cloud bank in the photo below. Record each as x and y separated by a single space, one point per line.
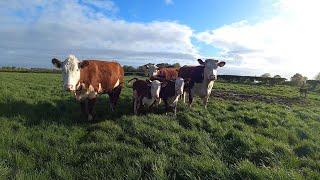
283 44
32 32
35 32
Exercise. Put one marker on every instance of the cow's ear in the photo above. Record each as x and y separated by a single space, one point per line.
221 63
201 62
146 66
56 62
83 64
164 84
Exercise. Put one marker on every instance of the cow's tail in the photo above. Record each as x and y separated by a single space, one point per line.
135 79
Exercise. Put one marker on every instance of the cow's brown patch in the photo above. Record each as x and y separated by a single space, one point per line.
166 74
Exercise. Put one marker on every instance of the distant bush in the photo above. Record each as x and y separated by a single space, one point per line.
298 79
251 79
29 70
266 75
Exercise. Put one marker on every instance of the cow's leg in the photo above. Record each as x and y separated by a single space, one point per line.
111 99
190 98
91 114
166 105
175 110
205 101
84 107
184 97
114 96
139 103
135 105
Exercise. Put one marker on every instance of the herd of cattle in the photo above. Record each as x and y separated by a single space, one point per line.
88 78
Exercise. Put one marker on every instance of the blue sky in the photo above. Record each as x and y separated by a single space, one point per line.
252 36
200 15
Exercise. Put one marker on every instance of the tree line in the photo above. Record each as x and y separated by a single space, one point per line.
266 78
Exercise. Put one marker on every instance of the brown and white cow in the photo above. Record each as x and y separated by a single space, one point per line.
171 92
145 93
200 79
161 74
88 78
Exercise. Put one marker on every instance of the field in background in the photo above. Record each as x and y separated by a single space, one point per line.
248 131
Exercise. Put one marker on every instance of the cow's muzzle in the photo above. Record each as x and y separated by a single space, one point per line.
69 87
212 77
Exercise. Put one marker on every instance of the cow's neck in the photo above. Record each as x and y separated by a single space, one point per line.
207 85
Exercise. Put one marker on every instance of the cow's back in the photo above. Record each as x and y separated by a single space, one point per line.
192 73
102 75
168 73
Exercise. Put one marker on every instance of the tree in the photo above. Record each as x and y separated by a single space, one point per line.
277 76
129 68
298 79
317 77
176 65
164 65
266 75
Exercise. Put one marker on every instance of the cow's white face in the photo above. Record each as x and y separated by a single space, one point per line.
152 70
210 68
179 85
155 88
70 72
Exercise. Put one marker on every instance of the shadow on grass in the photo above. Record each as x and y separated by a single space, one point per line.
67 111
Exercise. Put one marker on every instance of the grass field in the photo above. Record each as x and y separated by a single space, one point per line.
247 132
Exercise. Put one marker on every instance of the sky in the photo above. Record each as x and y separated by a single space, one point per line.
254 37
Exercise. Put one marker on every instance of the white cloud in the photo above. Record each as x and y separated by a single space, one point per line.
102 4
284 44
168 2
35 32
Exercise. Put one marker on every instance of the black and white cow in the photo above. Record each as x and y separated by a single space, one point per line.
200 79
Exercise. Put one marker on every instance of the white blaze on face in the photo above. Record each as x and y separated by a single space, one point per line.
152 70
70 73
179 85
85 93
155 89
210 70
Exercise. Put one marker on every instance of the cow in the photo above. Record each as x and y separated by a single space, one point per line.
200 79
171 92
161 74
145 93
88 78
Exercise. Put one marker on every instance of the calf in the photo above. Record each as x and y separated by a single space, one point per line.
161 74
88 78
200 79
145 93
171 92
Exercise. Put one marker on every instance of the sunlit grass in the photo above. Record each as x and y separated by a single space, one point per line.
43 135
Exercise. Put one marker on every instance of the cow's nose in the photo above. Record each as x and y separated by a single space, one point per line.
213 77
69 87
